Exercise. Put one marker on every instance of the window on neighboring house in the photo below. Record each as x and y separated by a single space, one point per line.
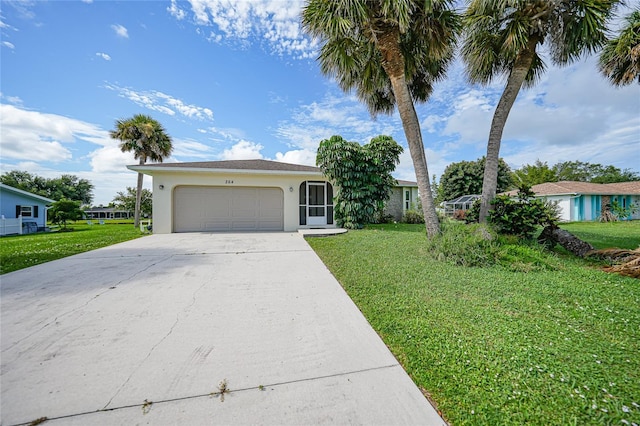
407 199
26 211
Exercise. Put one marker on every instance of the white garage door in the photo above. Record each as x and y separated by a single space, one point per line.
214 208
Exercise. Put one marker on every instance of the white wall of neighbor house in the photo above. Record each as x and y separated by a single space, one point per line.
163 215
564 202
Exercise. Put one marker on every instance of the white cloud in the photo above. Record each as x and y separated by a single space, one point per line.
15 100
9 45
103 56
297 156
35 136
275 22
161 102
571 114
87 1
243 150
190 149
175 11
120 30
333 115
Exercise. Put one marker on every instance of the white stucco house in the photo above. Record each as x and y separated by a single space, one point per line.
241 195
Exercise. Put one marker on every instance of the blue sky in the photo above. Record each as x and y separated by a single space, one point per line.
239 80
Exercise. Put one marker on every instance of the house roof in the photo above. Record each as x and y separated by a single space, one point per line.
45 200
239 166
406 183
245 165
573 188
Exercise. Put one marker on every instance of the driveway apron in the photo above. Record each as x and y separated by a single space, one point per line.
194 329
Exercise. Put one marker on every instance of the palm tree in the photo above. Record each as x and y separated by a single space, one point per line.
620 58
390 52
501 37
148 140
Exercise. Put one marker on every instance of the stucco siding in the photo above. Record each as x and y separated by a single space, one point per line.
394 205
163 199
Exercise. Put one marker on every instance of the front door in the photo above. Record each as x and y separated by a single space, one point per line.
317 210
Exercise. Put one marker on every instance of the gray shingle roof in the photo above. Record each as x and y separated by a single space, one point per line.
572 187
237 165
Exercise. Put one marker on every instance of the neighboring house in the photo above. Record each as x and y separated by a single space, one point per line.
22 211
585 201
107 213
464 203
403 197
238 195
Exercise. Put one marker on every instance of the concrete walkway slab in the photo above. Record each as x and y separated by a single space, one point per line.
143 332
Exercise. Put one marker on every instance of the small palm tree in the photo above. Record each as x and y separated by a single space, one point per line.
148 140
390 52
501 37
620 58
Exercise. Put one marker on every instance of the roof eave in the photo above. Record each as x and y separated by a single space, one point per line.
150 170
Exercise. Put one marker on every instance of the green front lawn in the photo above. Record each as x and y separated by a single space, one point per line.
22 251
624 235
556 345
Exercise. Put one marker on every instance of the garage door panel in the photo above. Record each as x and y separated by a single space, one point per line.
202 208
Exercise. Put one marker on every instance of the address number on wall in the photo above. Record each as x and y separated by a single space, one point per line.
228 182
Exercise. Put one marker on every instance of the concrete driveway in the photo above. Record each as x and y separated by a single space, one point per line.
143 332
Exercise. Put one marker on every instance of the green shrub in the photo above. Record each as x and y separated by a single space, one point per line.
522 216
413 216
466 245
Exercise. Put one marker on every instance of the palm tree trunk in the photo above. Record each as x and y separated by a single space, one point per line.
514 83
136 217
393 63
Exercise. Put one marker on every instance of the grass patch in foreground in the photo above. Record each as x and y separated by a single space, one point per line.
553 346
22 251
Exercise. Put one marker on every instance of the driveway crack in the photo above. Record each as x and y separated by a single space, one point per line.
153 348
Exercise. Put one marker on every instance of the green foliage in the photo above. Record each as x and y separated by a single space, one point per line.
66 186
579 171
148 140
63 211
507 344
473 214
521 216
624 235
596 173
22 251
534 174
361 174
413 216
620 58
617 212
127 201
464 245
465 178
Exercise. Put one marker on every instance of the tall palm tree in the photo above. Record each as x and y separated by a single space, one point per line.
148 140
502 37
620 58
390 52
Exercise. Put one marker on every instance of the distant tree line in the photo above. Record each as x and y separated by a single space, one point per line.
67 186
466 177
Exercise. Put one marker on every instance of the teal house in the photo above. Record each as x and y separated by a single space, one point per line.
586 201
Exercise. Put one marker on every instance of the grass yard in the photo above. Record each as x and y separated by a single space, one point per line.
22 251
559 344
624 235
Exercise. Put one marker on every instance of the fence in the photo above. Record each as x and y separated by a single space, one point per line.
11 226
